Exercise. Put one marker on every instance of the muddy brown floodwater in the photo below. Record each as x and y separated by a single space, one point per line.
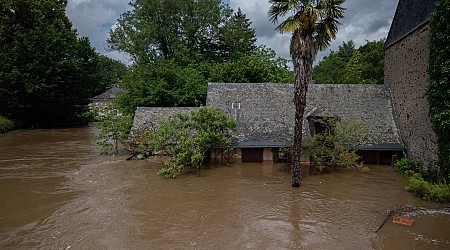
56 192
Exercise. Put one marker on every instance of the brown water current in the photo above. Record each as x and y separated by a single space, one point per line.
56 192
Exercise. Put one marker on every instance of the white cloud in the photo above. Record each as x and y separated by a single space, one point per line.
364 20
94 18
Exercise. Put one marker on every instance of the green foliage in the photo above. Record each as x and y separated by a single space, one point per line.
364 65
261 67
408 167
109 72
162 84
425 182
179 46
330 70
237 37
184 31
46 75
438 90
114 130
372 62
429 191
332 147
5 125
353 69
188 137
345 51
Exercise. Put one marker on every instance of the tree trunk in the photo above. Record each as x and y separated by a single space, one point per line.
303 51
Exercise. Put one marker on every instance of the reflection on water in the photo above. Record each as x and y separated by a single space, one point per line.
56 192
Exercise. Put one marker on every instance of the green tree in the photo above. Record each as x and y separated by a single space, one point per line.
364 65
330 70
313 25
188 137
162 84
45 70
353 69
114 129
237 37
438 90
182 30
345 51
109 72
261 67
372 62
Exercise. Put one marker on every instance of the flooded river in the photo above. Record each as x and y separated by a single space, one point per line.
56 192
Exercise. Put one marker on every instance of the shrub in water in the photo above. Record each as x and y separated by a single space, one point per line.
429 191
5 124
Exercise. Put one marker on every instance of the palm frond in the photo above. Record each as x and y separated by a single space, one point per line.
290 24
280 8
318 18
327 27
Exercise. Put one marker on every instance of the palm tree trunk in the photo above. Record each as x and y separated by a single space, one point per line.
303 51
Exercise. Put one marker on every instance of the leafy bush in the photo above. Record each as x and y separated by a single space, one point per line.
426 183
5 124
188 137
332 147
408 167
114 129
429 191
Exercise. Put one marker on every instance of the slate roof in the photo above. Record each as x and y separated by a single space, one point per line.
265 112
110 94
149 117
410 15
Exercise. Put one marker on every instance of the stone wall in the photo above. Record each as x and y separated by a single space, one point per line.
406 64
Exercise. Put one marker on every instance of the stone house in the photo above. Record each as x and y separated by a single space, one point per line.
103 100
406 74
265 117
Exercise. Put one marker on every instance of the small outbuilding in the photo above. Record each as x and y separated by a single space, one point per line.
103 100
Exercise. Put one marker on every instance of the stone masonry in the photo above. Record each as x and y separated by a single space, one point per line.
406 65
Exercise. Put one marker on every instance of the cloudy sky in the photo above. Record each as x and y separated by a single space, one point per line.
364 20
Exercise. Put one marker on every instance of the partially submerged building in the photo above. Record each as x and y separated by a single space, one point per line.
406 73
265 117
103 100
394 114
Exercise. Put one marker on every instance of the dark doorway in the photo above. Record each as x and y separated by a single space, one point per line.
252 154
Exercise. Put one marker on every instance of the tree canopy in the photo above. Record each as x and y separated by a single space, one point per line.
181 30
46 72
364 65
178 46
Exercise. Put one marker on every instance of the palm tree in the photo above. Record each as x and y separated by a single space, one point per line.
313 23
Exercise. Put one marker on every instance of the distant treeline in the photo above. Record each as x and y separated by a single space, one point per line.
349 65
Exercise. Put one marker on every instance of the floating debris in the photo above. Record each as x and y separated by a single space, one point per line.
400 220
403 215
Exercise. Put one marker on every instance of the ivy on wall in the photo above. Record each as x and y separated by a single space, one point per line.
438 91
